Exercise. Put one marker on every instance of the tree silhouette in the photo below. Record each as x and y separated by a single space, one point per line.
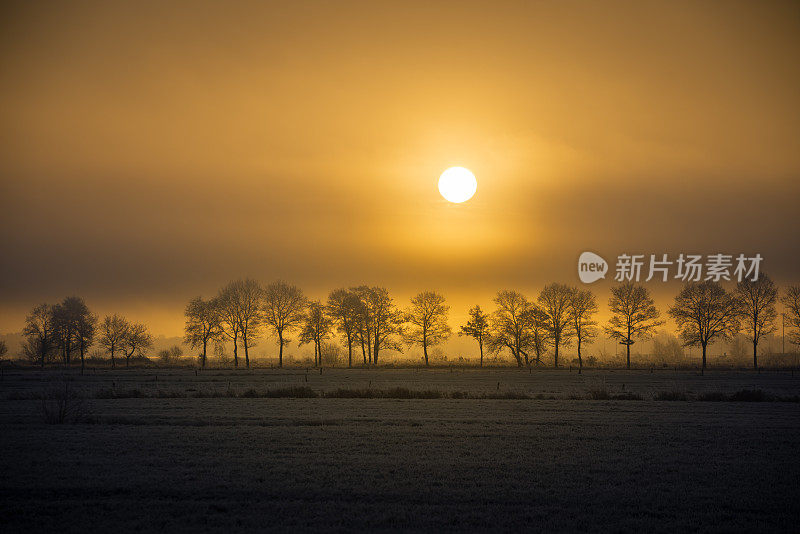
757 302
344 309
284 307
40 332
316 329
74 327
364 322
791 299
3 348
555 300
634 315
383 321
704 312
112 335
517 325
202 325
582 307
225 306
135 341
248 295
85 328
428 318
477 327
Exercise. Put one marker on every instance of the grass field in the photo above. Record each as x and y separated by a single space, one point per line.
168 460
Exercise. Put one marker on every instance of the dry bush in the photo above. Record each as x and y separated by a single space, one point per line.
63 404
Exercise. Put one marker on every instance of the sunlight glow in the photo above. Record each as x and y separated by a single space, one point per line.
457 184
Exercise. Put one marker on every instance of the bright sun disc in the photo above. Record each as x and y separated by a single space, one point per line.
457 184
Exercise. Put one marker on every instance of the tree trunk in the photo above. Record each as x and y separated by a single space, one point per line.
628 350
480 345
205 347
580 360
83 364
235 353
704 354
280 350
113 362
349 352
425 352
755 355
246 353
556 355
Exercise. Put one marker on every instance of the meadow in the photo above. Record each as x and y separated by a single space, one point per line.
430 449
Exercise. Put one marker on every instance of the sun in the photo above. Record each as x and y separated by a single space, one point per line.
457 184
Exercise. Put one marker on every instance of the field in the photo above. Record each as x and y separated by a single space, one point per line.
183 452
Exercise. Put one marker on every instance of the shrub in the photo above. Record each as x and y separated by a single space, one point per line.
671 396
750 395
62 403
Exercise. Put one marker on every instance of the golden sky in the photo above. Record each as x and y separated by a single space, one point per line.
151 151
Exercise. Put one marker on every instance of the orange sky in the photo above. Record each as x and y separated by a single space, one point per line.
152 151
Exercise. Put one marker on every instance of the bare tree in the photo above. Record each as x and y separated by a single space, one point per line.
555 301
225 306
316 329
757 306
284 307
791 300
85 328
364 322
582 307
428 318
113 330
385 320
704 312
477 327
344 309
202 325
249 295
517 325
634 315
40 333
66 315
136 340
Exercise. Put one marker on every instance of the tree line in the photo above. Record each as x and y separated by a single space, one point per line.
366 320
62 330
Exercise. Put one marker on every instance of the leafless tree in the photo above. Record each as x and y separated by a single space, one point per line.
385 320
284 307
634 315
249 295
113 330
704 312
477 327
226 309
757 306
791 299
136 340
74 326
40 333
582 307
316 329
202 325
344 309
85 328
364 322
517 325
428 318
555 302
